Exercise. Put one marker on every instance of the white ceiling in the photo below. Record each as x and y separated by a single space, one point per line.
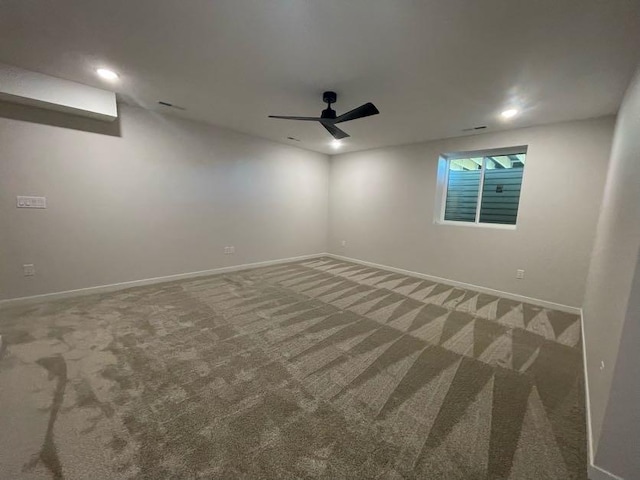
433 68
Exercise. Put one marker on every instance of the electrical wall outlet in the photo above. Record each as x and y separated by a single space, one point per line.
344 243
519 274
229 250
31 202
29 269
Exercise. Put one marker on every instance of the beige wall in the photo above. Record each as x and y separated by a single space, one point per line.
382 204
152 196
612 303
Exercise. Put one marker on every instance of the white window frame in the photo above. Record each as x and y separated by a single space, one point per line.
443 184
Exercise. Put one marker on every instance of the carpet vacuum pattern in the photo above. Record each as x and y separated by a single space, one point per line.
313 369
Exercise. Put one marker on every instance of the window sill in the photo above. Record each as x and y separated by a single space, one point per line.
497 226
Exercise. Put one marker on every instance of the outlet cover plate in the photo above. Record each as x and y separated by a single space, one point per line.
31 202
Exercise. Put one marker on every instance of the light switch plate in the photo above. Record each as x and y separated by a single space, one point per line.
31 202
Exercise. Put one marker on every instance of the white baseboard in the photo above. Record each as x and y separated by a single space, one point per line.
587 398
148 281
597 473
169 278
468 286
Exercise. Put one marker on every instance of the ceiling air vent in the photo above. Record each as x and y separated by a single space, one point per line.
171 105
473 129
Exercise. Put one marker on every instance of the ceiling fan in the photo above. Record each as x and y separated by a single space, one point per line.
328 118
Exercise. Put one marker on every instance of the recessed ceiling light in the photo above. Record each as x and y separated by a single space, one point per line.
336 144
107 74
512 112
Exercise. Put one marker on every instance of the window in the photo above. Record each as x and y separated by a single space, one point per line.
482 187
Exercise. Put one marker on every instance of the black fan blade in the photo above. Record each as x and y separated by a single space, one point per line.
362 111
335 131
310 119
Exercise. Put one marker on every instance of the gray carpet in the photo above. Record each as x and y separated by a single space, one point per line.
316 369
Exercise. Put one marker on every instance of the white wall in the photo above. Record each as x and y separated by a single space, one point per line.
382 204
160 196
612 303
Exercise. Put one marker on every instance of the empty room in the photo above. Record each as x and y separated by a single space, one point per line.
339 240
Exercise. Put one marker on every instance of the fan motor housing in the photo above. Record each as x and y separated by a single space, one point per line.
329 97
328 113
